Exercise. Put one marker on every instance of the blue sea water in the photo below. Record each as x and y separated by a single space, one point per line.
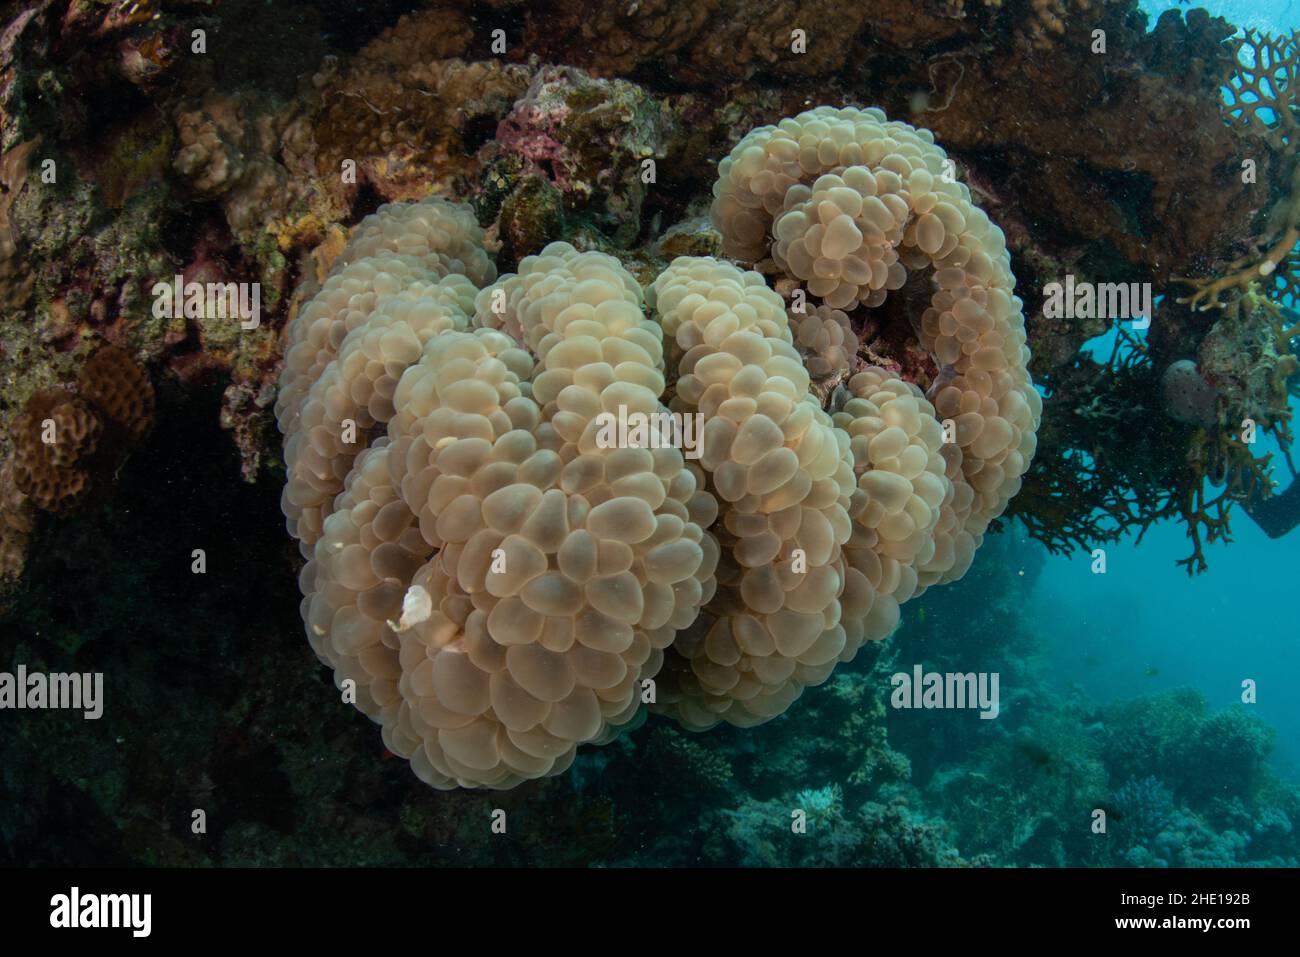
1267 16
1146 626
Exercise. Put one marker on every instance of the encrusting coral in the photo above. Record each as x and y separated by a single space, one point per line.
67 439
17 519
62 438
495 582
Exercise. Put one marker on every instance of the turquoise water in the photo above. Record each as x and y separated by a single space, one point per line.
1275 17
1145 626
1235 621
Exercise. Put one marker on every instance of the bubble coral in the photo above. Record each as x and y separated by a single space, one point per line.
557 570
423 261
825 338
497 585
878 206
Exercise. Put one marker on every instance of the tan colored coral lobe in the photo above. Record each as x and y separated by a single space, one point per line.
62 439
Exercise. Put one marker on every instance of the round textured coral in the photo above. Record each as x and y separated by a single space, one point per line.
63 441
120 389
53 437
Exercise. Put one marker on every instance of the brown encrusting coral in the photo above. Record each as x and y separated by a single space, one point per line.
66 440
17 519
54 439
119 390
412 108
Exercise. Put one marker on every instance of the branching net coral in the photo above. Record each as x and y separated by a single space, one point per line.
1261 104
497 582
1261 92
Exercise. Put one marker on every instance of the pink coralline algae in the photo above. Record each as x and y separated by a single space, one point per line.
527 132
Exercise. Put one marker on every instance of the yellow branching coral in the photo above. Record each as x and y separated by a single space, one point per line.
1248 357
495 582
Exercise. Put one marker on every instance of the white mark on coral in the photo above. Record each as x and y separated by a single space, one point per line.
417 606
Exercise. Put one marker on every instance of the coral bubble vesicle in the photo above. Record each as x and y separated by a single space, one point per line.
496 585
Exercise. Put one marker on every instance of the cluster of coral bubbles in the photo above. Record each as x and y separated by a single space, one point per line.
498 587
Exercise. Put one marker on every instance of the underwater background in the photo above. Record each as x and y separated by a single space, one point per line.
1164 611
1120 691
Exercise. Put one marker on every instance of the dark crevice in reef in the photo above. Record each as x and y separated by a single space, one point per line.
252 784
366 202
165 506
182 228
109 108
339 21
484 18
113 590
478 131
73 832
1130 195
